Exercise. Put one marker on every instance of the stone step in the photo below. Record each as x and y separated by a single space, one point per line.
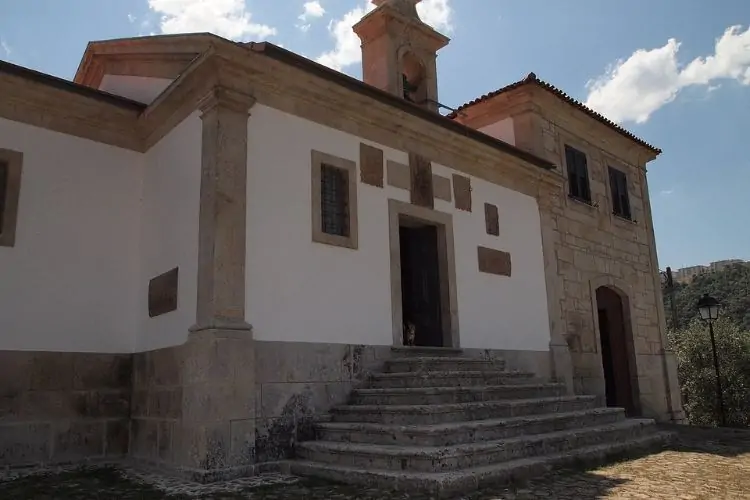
421 351
451 378
459 412
465 432
451 458
441 363
449 395
445 484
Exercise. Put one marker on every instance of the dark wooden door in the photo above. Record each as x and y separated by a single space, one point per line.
607 362
615 350
420 284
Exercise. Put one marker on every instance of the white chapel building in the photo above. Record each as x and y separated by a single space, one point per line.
204 242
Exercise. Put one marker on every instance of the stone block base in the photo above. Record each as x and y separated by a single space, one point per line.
60 407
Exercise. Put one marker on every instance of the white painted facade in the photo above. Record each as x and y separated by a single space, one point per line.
169 231
502 129
69 283
96 223
298 290
138 88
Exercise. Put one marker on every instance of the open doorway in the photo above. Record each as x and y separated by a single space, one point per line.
616 343
420 285
423 277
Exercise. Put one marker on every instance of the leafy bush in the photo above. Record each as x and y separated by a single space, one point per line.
692 346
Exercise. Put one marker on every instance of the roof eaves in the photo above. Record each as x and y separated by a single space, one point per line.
67 85
532 79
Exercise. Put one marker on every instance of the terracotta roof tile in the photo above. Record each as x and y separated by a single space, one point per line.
531 78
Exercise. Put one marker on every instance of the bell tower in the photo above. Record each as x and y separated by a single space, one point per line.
399 51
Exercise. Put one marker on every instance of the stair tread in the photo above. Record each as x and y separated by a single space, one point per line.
467 424
467 448
448 407
452 373
497 470
449 389
457 359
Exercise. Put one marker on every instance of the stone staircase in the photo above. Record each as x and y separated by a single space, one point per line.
434 421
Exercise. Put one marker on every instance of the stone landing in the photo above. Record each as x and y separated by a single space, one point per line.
436 421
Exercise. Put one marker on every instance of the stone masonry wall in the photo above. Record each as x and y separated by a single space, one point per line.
592 248
297 383
156 403
58 407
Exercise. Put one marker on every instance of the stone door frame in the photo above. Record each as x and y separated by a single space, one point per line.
397 212
623 290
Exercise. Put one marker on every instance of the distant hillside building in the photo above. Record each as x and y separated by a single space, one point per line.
686 274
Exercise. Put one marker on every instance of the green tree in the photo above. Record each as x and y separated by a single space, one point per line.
731 286
692 346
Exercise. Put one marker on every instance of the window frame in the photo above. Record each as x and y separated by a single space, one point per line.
9 212
584 175
351 240
615 194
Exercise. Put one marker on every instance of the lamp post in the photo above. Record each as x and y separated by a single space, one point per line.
708 307
667 282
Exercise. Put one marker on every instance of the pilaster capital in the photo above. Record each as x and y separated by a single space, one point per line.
224 97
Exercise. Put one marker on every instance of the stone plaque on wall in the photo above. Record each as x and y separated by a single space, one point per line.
421 181
371 165
462 192
494 261
398 175
162 293
491 219
441 187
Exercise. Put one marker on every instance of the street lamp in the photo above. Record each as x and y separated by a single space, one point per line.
667 282
708 307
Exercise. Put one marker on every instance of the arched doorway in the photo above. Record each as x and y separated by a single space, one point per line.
618 357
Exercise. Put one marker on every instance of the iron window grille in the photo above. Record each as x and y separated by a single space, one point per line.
334 200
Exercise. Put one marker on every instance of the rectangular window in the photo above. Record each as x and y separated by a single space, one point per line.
578 174
618 185
334 200
11 163
3 192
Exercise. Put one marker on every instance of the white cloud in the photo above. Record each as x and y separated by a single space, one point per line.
311 9
437 13
131 18
227 18
346 50
5 48
635 88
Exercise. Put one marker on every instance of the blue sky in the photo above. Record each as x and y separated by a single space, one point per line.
671 71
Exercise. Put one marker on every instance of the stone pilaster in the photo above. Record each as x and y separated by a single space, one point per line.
561 364
672 393
216 436
223 211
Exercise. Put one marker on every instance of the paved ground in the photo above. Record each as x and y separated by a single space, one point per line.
701 465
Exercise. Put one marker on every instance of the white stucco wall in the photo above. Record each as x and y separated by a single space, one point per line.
69 282
139 88
169 231
298 290
502 130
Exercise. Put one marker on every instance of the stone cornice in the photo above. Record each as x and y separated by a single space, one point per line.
44 101
293 90
246 71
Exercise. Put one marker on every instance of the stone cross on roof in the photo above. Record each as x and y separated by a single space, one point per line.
407 8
